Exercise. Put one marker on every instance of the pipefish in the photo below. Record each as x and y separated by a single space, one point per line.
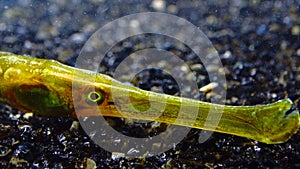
44 87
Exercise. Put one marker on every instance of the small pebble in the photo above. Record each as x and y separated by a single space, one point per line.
274 27
211 19
172 9
262 30
74 126
78 38
208 87
197 67
158 5
15 161
296 30
89 163
227 55
253 72
274 95
234 99
251 47
298 52
4 151
117 155
27 115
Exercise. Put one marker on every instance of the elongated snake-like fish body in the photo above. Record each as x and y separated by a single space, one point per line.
46 87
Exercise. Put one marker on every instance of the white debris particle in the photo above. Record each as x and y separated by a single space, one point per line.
208 87
159 5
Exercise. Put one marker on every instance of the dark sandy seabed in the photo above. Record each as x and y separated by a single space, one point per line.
259 45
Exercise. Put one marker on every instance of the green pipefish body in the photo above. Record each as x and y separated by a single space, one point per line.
49 88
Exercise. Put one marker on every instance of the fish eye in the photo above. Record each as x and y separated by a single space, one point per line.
94 97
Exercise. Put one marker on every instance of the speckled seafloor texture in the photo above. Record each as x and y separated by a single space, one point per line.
259 45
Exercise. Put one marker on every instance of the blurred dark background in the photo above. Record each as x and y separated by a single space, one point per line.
259 45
